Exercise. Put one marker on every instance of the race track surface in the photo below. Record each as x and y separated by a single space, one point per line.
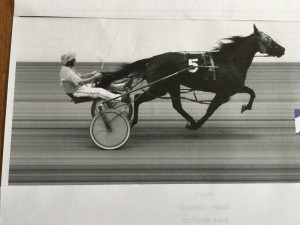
51 142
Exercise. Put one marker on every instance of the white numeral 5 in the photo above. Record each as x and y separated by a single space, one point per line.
193 62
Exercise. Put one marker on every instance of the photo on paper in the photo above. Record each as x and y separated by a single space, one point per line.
100 101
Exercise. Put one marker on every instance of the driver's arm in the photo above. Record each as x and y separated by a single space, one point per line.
90 79
88 75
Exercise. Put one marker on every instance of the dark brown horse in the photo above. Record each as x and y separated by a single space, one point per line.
232 60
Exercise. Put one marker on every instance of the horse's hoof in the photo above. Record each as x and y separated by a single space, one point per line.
244 108
191 126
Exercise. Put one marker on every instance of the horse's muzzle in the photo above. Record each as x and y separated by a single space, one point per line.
278 55
278 51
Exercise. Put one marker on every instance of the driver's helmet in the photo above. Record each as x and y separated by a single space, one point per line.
67 57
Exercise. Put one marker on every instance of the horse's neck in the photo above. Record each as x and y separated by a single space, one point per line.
243 56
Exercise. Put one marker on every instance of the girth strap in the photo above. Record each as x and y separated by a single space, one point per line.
212 68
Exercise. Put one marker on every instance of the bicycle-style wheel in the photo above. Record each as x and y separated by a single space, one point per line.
111 132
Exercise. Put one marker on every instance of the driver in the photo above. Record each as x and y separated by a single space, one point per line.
82 85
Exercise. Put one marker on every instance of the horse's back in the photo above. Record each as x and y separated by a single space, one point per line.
165 64
168 58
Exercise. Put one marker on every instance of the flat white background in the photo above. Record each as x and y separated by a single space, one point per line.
279 10
234 204
127 40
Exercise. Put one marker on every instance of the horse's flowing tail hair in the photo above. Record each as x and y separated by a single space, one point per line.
125 71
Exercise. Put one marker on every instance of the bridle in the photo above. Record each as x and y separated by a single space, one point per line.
265 46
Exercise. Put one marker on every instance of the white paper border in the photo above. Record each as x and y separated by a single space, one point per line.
276 10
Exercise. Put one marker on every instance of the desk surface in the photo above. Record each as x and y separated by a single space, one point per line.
6 15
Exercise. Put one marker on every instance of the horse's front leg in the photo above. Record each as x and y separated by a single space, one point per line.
250 91
217 101
176 103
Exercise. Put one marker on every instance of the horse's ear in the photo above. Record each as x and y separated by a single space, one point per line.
256 32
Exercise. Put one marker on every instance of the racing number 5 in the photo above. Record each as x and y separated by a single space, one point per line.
193 62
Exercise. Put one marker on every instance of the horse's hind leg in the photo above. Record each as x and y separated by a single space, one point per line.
249 91
176 102
152 93
217 101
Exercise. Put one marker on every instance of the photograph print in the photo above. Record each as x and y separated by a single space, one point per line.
102 101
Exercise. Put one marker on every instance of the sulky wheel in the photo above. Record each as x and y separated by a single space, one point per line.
110 129
119 106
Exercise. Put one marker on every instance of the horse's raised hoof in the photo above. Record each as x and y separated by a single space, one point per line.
244 108
191 126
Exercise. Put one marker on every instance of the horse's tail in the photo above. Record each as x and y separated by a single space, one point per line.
139 66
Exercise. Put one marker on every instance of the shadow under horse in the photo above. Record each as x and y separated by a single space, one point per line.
231 59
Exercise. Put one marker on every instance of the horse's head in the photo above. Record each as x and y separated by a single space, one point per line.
267 44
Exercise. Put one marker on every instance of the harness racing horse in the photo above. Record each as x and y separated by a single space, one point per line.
231 60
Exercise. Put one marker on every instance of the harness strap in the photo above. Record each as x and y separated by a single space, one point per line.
212 64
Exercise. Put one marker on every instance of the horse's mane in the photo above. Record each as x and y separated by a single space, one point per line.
227 46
